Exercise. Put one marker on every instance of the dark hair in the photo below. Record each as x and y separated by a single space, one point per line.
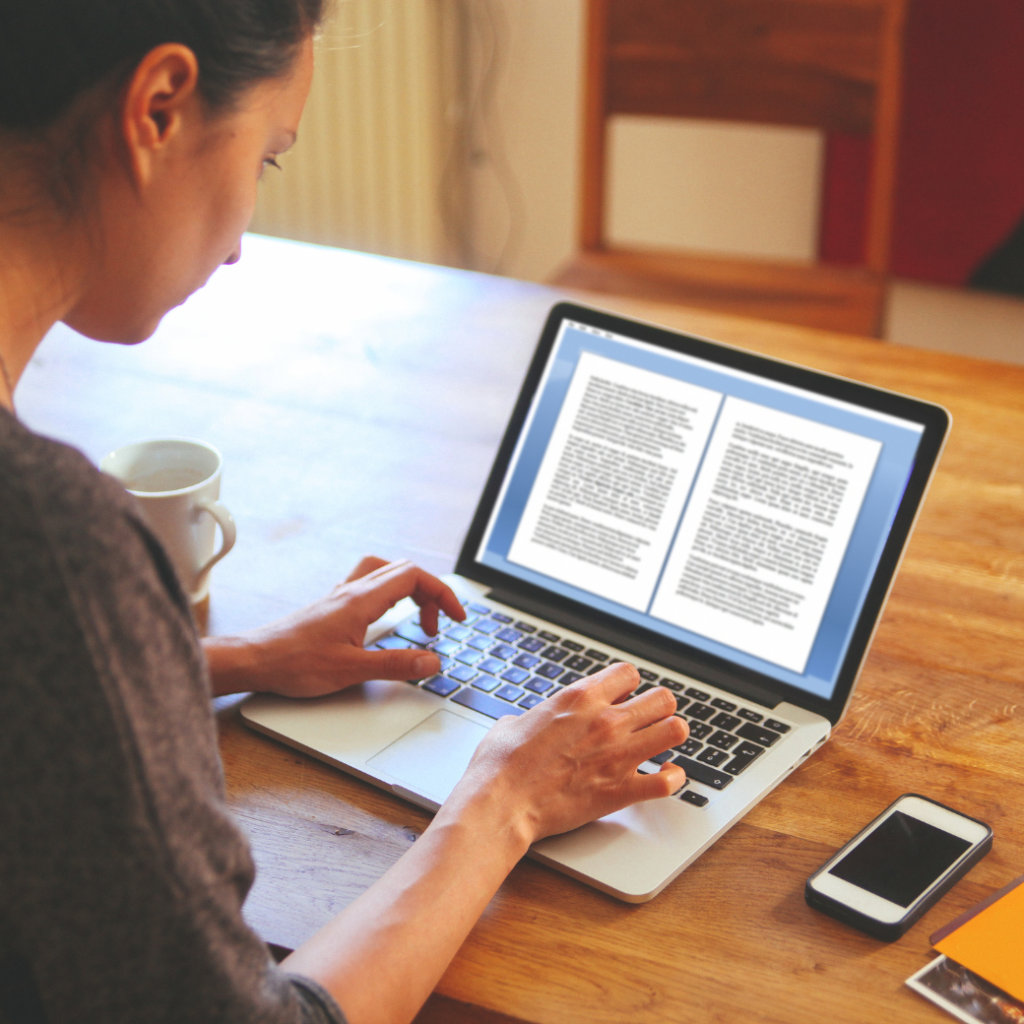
52 52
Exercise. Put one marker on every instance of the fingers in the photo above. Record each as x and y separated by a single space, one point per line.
383 587
669 780
409 664
663 735
366 565
613 684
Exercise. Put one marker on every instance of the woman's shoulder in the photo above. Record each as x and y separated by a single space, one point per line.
64 522
54 484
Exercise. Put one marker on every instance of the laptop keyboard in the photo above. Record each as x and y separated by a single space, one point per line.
498 664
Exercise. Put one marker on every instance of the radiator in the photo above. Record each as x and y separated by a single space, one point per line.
366 170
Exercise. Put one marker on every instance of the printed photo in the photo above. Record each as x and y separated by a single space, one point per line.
965 995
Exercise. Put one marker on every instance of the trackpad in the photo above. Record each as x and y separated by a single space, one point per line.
431 758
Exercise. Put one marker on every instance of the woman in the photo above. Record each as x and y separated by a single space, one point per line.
134 132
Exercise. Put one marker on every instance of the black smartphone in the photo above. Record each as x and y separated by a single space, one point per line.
897 867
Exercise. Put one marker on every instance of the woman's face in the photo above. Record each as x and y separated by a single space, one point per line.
171 208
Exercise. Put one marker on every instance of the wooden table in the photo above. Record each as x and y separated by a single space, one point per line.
358 402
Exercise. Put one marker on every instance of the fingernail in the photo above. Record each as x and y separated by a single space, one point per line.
425 664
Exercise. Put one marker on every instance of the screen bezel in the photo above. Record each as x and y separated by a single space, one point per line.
652 646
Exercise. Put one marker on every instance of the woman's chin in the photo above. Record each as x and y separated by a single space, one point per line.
115 332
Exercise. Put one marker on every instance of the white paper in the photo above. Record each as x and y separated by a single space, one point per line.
613 481
767 526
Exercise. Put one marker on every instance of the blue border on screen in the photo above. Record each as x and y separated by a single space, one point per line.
885 491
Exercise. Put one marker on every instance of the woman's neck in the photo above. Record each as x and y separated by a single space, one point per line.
37 275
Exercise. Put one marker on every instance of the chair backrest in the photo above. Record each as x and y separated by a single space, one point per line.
828 64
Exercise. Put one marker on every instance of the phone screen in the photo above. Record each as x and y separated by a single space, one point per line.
900 859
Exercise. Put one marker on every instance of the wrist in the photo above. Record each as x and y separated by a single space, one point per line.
489 811
232 663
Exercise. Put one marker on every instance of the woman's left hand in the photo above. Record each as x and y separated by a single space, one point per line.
319 649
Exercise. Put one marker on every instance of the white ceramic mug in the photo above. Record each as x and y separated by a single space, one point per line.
177 484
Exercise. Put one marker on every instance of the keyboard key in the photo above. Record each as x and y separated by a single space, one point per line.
691 796
551 638
737 764
515 675
750 716
775 724
673 685
411 631
597 655
458 632
701 712
446 663
555 654
646 673
723 705
469 656
509 693
756 734
485 704
597 668
501 617
697 694
748 750
492 665
531 700
578 663
569 677
462 672
572 645
486 683
726 722
695 770
539 685
396 643
723 740
531 644
526 627
665 755
446 647
479 642
441 685
643 688
503 651
713 757
480 609
487 626
681 702
690 747
510 636
550 670
526 660
701 730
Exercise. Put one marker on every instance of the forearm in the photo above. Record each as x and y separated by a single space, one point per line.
383 955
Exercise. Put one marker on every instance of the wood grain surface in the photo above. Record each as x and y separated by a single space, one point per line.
358 402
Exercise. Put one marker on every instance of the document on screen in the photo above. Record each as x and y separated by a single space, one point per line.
611 486
765 530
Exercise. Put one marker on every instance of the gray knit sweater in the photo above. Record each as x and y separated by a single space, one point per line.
122 875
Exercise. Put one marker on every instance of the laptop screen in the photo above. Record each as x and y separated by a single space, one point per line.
725 510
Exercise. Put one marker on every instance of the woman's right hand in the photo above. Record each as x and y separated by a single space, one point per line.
574 757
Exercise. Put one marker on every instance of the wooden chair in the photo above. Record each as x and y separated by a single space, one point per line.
829 64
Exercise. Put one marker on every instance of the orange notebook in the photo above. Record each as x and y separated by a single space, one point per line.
989 939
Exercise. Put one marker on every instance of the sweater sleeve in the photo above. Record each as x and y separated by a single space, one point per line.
123 872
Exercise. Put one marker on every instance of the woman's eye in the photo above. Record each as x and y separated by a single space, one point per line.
269 161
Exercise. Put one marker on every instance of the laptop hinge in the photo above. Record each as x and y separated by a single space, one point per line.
622 640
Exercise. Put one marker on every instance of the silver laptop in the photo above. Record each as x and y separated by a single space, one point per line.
728 523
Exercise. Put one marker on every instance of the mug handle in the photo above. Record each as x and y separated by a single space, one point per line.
227 528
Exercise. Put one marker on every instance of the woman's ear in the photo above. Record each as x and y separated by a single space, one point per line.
159 95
